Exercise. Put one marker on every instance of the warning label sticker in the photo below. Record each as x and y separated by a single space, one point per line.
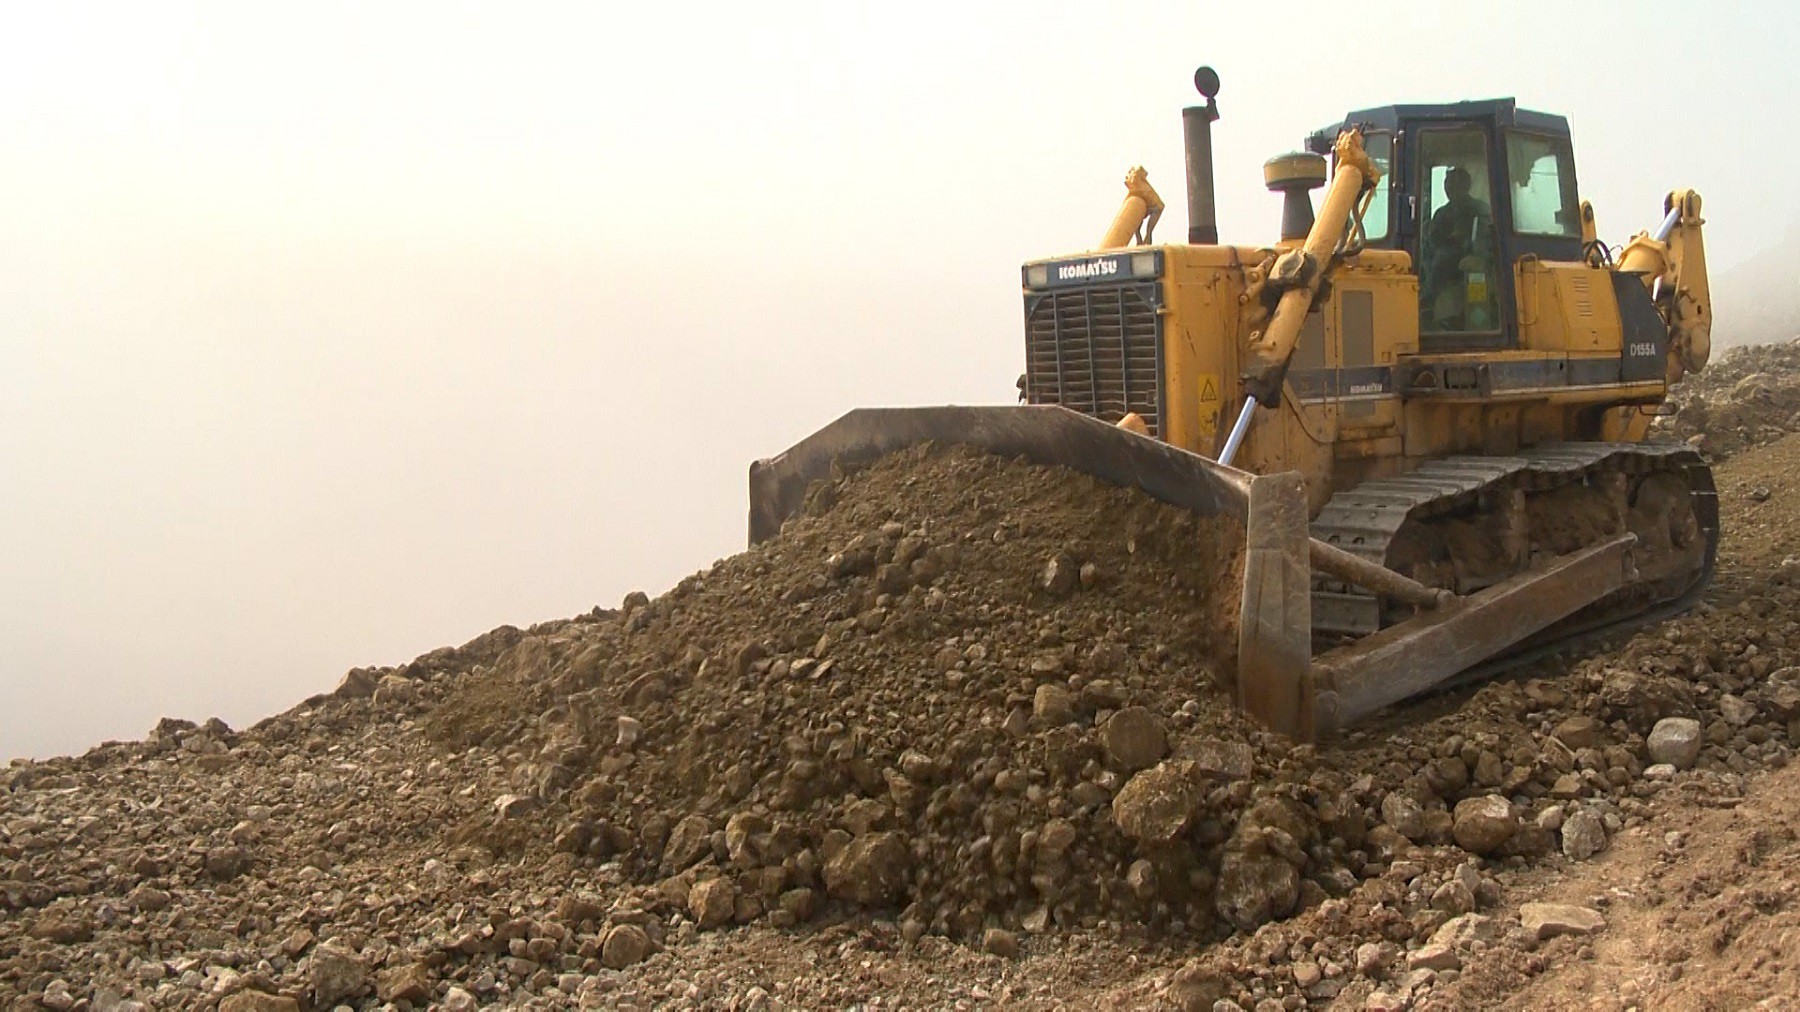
1209 404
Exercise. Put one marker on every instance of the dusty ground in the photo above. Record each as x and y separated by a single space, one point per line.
1701 902
465 832
1747 396
1700 910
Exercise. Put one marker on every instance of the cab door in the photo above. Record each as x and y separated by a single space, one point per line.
1465 284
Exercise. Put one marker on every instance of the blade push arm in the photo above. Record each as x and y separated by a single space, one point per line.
1298 273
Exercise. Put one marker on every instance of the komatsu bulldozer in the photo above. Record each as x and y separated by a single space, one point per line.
1427 402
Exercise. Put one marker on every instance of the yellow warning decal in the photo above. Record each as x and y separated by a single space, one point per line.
1209 404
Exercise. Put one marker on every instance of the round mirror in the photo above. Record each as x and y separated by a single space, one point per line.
1206 81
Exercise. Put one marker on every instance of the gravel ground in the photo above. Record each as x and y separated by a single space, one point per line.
956 739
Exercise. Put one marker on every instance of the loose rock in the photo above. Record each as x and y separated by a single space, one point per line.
337 974
1547 920
1583 836
625 945
870 870
713 902
1484 824
1157 804
1675 741
1134 739
1000 942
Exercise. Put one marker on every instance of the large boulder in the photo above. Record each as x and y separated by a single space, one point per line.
1053 705
712 903
337 974
1483 825
1463 931
408 982
689 841
63 928
1134 739
1157 804
1259 878
1279 822
1736 711
1220 760
1582 731
1583 835
1676 741
624 945
1642 699
1255 888
358 683
1401 812
870 870
259 1001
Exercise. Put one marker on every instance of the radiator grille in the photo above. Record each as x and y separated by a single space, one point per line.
1097 351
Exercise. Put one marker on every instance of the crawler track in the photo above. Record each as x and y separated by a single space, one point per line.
1373 519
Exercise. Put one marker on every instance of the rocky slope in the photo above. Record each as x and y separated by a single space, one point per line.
1747 396
956 738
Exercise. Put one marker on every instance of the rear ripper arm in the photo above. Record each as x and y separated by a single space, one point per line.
1672 264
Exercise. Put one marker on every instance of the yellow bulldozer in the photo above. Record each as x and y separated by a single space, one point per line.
1427 402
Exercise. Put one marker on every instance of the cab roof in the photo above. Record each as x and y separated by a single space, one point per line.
1503 112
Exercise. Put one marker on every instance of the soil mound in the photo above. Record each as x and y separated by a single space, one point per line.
1748 396
960 697
925 694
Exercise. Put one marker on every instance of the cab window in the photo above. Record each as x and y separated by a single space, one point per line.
1458 252
1543 185
1380 147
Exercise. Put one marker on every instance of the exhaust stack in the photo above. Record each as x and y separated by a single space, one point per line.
1196 132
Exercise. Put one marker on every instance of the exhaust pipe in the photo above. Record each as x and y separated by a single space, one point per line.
1196 131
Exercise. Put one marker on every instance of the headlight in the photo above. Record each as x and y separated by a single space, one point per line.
1038 276
1143 265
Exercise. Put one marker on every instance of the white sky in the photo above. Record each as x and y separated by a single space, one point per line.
331 333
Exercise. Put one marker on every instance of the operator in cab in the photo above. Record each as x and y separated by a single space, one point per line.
1459 238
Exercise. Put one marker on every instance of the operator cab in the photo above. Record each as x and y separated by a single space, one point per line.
1466 190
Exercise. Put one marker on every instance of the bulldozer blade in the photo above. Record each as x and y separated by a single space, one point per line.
1385 667
1041 433
1275 627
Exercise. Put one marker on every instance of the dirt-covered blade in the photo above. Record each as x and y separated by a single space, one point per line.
1274 631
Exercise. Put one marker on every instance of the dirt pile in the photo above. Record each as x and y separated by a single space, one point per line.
1748 396
963 711
923 696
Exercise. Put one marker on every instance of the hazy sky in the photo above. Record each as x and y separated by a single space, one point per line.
331 333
